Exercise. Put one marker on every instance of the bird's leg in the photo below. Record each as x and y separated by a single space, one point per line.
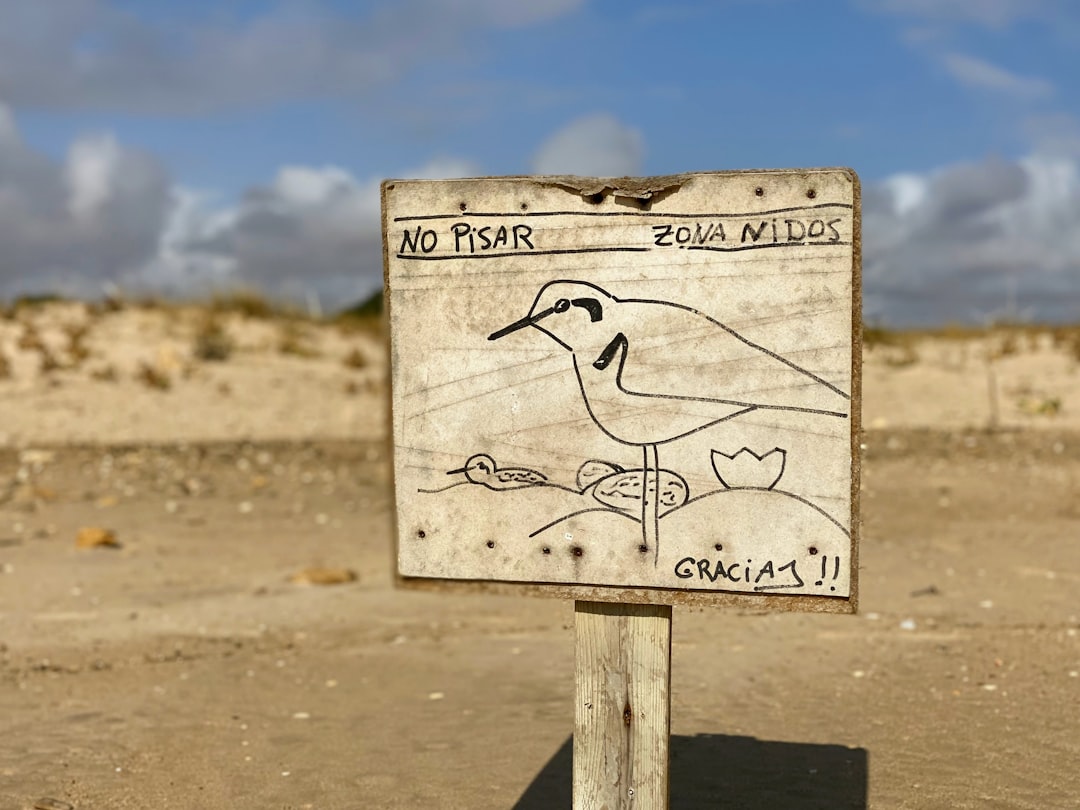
650 502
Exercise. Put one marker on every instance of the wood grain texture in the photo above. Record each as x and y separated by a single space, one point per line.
622 716
694 338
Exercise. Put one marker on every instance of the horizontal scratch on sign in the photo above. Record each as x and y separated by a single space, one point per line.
635 214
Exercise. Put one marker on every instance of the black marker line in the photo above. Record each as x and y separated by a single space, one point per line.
712 215
748 342
581 512
654 461
794 573
780 450
737 403
799 498
430 258
759 247
610 435
618 249
442 489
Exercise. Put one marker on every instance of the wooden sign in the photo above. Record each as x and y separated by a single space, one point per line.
629 390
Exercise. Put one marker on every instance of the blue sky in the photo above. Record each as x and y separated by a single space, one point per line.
181 147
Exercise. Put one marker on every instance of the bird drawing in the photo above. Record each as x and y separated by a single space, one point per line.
482 469
652 372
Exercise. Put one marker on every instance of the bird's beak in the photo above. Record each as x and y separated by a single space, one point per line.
459 470
528 320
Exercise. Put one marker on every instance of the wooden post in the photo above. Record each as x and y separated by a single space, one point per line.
622 718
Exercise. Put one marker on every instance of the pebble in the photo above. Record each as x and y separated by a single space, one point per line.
95 537
323 576
907 624
436 696
301 716
986 604
52 804
246 507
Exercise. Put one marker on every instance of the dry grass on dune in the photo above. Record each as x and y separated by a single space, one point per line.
1006 376
238 365
151 370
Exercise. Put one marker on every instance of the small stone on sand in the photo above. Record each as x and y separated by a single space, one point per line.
96 537
323 576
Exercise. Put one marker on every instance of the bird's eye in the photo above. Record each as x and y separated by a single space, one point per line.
482 467
562 305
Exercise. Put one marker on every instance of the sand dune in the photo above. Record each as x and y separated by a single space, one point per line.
196 607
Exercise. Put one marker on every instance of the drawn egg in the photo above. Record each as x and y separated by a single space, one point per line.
745 469
623 490
593 470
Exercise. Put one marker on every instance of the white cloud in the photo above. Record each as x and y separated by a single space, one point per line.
596 145
101 54
91 174
311 229
950 244
69 225
959 242
981 75
106 213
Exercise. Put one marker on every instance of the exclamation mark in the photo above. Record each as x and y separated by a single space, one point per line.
824 560
836 572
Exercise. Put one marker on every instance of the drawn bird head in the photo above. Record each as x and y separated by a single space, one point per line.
477 467
571 313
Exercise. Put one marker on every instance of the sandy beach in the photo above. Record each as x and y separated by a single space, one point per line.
231 637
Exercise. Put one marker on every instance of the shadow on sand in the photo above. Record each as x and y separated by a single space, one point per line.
718 771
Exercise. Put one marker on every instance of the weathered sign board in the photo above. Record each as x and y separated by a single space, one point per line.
629 390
